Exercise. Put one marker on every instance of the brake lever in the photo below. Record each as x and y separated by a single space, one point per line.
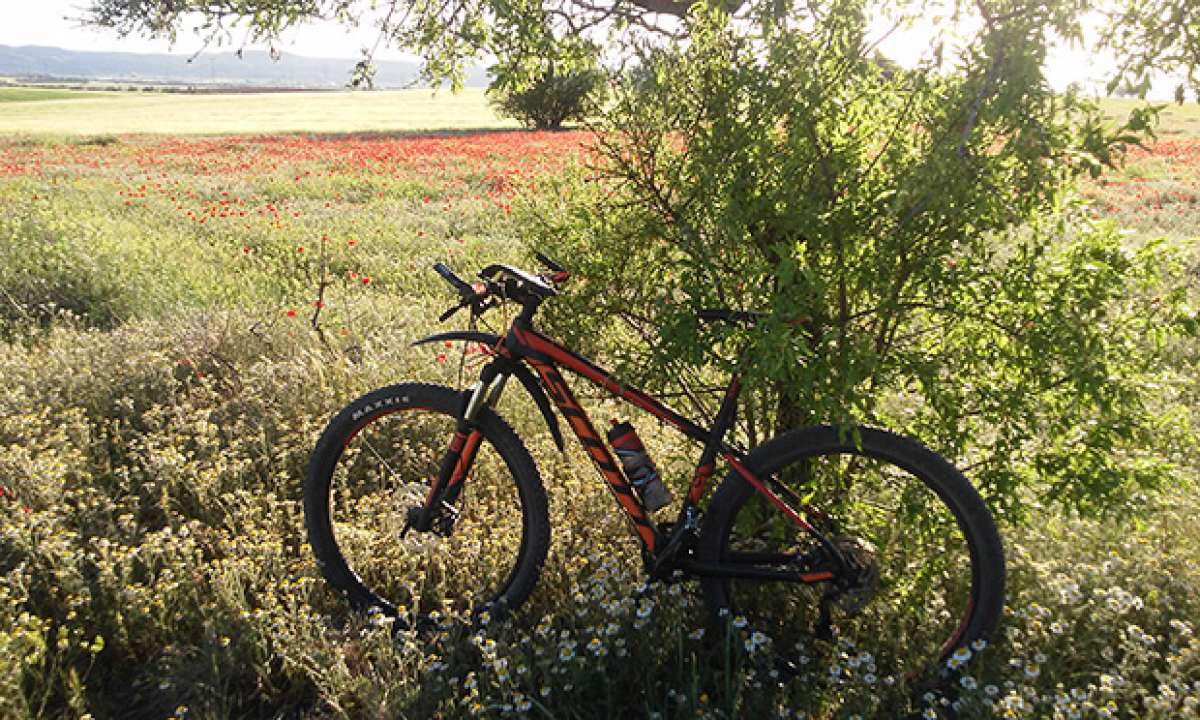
450 313
477 301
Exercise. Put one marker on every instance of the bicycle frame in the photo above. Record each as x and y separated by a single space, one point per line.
524 344
545 356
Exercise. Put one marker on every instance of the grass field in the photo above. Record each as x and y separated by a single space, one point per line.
38 111
67 112
1177 120
30 95
180 316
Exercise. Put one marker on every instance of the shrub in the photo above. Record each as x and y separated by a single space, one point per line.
49 270
153 564
551 98
920 261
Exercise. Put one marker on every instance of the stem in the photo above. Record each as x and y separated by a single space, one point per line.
319 304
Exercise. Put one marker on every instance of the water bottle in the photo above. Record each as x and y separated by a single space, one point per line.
639 468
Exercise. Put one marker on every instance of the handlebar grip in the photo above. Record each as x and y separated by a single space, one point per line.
459 284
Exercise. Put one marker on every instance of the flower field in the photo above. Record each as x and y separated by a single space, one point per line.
180 317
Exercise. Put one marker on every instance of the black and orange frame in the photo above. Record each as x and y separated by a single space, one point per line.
523 348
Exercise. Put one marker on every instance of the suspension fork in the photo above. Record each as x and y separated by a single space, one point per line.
463 447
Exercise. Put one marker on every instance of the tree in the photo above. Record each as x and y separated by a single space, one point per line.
447 34
912 234
1147 35
551 98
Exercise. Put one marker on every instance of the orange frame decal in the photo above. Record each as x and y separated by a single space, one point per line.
562 396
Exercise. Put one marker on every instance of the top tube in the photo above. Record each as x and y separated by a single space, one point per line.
531 340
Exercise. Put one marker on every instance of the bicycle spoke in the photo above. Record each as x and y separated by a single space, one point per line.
908 574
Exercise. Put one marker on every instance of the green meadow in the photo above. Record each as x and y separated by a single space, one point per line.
86 112
192 285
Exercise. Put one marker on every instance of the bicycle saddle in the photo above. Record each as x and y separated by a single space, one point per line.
515 281
742 316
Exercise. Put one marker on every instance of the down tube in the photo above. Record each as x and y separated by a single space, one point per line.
598 452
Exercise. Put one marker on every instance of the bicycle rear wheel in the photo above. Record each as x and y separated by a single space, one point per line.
896 508
375 461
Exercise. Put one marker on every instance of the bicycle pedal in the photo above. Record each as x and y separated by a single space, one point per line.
824 628
864 586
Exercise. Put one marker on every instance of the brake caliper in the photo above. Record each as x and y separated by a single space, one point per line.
441 520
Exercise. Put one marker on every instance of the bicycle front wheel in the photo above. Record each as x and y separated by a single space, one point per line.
375 461
930 580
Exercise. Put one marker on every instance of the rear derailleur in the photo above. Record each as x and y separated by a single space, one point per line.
854 588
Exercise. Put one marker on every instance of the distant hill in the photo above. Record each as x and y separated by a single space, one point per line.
252 69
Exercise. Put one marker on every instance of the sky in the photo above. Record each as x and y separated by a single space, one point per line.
46 22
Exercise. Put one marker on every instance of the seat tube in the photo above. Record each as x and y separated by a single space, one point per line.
721 424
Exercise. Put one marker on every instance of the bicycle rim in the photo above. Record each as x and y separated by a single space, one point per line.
906 627
385 467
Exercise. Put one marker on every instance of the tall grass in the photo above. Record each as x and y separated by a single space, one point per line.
161 387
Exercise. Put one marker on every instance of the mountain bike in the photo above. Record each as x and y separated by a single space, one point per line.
420 499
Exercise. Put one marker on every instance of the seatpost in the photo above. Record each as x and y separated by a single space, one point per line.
728 410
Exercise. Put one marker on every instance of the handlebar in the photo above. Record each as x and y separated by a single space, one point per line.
501 282
464 289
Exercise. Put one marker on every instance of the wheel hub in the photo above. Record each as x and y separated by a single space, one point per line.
441 520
